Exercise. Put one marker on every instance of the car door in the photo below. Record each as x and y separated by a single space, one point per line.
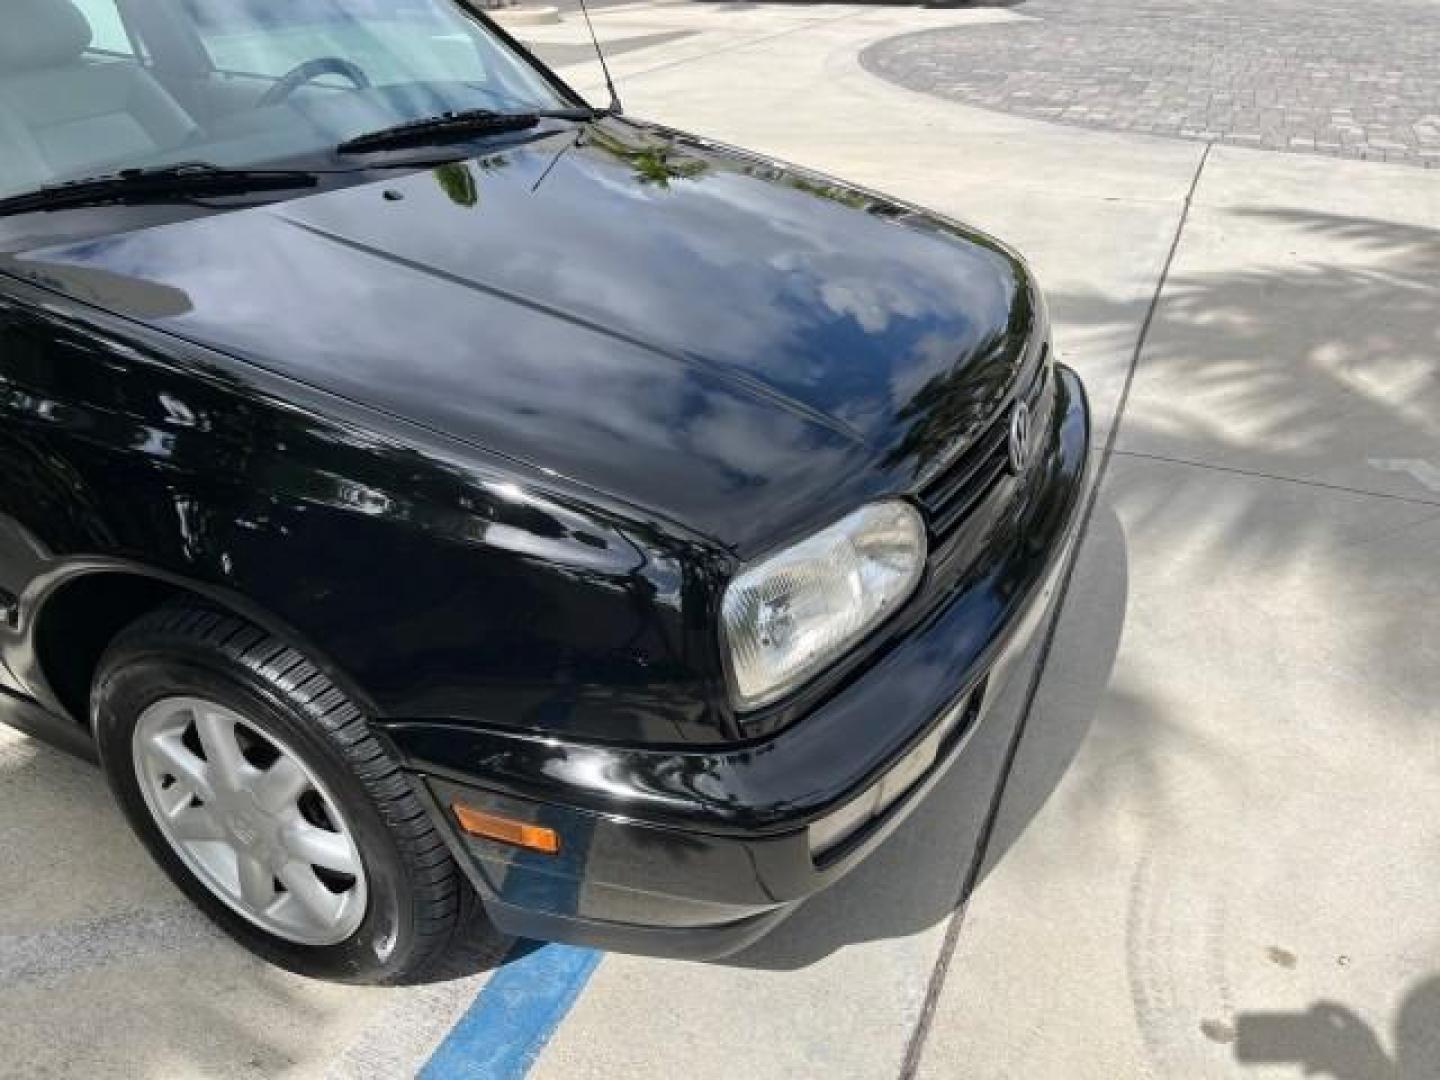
31 478
22 492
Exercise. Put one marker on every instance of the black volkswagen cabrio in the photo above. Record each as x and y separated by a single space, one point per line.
419 487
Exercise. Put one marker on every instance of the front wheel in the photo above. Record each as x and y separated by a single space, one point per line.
257 786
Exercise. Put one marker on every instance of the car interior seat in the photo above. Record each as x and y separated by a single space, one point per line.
65 111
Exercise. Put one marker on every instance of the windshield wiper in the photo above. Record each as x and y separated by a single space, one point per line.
431 130
156 183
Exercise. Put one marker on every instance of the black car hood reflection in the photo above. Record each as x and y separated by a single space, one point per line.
741 347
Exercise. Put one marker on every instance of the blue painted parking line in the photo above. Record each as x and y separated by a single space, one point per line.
514 1015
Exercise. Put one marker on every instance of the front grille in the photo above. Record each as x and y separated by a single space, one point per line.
951 495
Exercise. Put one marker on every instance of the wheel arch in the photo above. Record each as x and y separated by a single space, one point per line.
76 610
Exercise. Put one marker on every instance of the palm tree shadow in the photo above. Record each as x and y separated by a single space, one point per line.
1322 370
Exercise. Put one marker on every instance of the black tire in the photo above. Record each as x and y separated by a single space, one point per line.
417 900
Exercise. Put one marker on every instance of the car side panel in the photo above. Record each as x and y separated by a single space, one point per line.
437 587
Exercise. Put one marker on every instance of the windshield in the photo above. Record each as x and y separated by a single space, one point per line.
98 86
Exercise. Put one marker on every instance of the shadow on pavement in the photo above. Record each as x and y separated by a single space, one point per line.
1322 370
1272 484
1331 1040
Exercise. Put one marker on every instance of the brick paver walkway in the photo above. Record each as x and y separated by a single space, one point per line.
1359 79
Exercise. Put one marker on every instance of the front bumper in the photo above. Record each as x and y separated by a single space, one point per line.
698 852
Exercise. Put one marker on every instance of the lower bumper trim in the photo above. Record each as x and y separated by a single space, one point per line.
668 942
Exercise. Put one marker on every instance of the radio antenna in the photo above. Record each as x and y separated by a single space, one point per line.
615 106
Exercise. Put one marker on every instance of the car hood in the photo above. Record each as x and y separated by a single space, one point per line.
737 345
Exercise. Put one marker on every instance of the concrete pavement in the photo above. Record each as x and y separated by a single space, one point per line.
1214 848
1233 875
106 970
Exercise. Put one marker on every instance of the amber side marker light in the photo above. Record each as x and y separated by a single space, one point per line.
506 830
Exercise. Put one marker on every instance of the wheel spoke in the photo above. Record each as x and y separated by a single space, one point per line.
228 766
193 823
254 834
320 848
320 903
257 882
175 758
280 785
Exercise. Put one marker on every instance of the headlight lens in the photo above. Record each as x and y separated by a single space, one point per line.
788 616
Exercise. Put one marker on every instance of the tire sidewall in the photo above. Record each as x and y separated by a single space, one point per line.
132 680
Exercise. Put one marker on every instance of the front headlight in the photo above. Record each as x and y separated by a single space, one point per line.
789 615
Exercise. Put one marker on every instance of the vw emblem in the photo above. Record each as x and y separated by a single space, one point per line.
1019 438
